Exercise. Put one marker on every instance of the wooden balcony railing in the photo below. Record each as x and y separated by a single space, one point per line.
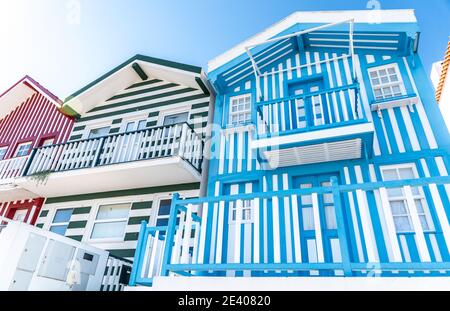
265 245
12 168
307 112
166 141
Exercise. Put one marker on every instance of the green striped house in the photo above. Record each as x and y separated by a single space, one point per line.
138 138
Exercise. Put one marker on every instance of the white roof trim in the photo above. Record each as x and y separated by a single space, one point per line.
360 16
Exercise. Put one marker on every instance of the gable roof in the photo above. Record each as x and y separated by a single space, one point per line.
136 69
368 17
20 92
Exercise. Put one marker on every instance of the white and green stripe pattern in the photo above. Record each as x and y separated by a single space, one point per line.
143 205
149 98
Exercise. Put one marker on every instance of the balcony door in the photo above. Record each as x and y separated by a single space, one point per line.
309 110
317 222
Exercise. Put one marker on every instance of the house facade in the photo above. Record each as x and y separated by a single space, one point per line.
138 137
30 117
328 158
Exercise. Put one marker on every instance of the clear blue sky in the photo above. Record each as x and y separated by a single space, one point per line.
49 41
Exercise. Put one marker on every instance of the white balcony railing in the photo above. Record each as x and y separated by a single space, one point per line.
166 141
316 242
307 112
12 168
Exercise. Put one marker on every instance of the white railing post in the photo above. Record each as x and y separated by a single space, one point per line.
182 147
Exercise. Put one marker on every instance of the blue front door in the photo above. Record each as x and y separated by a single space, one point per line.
318 227
309 110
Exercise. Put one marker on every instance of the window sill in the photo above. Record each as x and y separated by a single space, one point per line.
399 101
235 128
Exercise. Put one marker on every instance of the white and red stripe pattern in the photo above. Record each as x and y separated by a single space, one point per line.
33 121
30 114
32 206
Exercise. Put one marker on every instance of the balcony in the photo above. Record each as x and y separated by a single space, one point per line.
153 157
322 126
10 169
207 244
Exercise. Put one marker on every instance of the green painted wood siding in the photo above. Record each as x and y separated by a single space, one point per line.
147 98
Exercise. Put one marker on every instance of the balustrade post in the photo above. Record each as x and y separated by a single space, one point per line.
183 139
139 255
28 163
343 243
171 227
96 160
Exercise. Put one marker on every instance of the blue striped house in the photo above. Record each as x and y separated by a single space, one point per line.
328 157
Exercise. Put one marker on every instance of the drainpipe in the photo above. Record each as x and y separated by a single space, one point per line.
207 145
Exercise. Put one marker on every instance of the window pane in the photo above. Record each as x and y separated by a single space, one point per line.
398 208
402 223
61 230
99 132
142 125
23 149
390 174
130 127
330 217
396 90
394 78
176 118
109 230
114 211
306 199
395 192
384 80
419 206
47 142
3 153
162 222
406 173
164 207
424 222
247 214
62 215
308 218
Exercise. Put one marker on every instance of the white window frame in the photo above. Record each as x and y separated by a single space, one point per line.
137 118
421 196
51 223
168 112
20 145
95 126
380 86
93 221
233 208
155 212
2 156
47 139
237 113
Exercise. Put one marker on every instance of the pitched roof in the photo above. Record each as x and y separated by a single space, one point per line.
316 17
137 68
21 91
444 73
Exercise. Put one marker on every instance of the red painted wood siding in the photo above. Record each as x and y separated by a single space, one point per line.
34 120
33 207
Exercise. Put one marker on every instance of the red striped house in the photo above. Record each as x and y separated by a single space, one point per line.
30 117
